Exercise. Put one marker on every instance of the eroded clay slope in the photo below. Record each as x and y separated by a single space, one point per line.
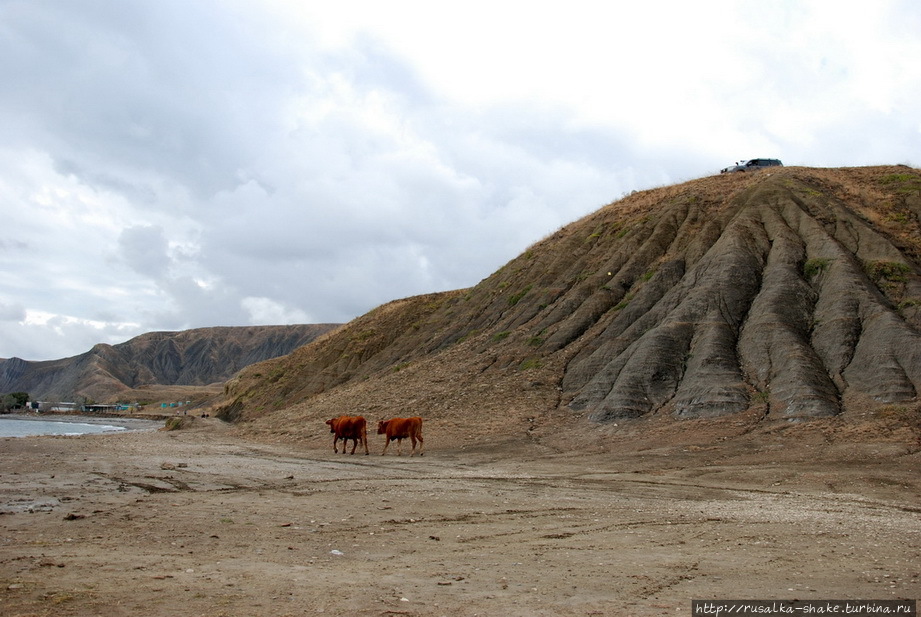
792 291
786 306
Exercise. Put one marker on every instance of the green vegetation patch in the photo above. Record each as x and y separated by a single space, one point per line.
178 423
899 216
13 400
892 271
903 182
900 178
514 299
363 335
595 234
530 363
897 412
468 335
814 267
623 303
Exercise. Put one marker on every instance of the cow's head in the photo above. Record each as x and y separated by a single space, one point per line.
332 425
382 426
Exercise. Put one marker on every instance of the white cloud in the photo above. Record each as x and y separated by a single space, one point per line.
171 165
58 336
265 311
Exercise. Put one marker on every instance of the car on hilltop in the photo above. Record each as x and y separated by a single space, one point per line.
751 165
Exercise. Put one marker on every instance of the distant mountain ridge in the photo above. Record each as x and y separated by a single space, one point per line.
196 357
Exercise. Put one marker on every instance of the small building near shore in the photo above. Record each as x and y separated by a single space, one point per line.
100 408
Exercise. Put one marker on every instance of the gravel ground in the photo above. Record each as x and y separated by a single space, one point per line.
207 522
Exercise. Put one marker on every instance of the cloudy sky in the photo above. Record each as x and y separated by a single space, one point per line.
171 164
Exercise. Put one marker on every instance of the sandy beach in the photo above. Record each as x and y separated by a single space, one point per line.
208 521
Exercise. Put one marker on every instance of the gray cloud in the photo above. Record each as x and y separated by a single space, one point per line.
144 248
12 312
183 90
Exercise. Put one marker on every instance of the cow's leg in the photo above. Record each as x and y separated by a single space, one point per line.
364 439
399 446
354 445
421 445
385 447
412 438
335 445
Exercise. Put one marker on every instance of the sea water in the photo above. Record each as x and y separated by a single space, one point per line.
65 425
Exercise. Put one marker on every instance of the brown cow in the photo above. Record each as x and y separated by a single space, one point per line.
349 427
399 429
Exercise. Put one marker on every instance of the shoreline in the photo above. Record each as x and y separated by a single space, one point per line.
128 423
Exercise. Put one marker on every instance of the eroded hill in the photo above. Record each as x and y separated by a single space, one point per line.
792 293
